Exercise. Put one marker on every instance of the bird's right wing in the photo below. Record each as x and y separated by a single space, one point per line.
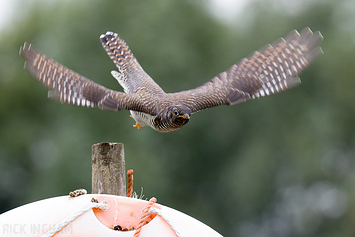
70 87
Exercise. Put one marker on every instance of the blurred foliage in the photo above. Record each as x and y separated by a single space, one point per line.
278 166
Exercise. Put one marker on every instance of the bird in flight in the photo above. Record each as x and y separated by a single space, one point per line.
270 70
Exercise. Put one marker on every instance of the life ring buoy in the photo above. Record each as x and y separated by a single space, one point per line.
119 218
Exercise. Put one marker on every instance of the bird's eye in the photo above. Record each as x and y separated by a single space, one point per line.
176 113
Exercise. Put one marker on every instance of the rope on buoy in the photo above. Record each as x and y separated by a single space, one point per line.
145 214
130 183
167 219
147 211
58 227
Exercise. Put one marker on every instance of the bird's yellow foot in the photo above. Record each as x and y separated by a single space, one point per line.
137 124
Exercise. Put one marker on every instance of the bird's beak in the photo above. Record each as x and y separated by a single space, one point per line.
185 116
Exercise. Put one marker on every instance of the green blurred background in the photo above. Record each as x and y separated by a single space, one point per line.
277 166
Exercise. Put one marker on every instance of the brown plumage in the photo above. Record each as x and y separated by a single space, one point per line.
270 70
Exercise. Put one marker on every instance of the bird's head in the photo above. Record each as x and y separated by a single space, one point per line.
172 118
179 115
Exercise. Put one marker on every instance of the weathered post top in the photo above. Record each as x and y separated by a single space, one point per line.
108 169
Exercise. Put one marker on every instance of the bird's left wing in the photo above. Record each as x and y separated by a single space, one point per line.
273 69
70 87
133 78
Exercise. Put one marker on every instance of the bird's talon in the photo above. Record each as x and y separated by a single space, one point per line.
137 124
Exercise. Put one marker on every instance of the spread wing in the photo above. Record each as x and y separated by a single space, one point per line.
273 69
133 78
70 87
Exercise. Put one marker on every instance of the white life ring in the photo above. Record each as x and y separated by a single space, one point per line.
37 218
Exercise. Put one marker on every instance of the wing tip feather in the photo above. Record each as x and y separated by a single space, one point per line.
108 35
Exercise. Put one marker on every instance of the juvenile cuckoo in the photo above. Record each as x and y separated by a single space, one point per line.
270 70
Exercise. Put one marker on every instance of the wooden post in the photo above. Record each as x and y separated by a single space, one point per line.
108 169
